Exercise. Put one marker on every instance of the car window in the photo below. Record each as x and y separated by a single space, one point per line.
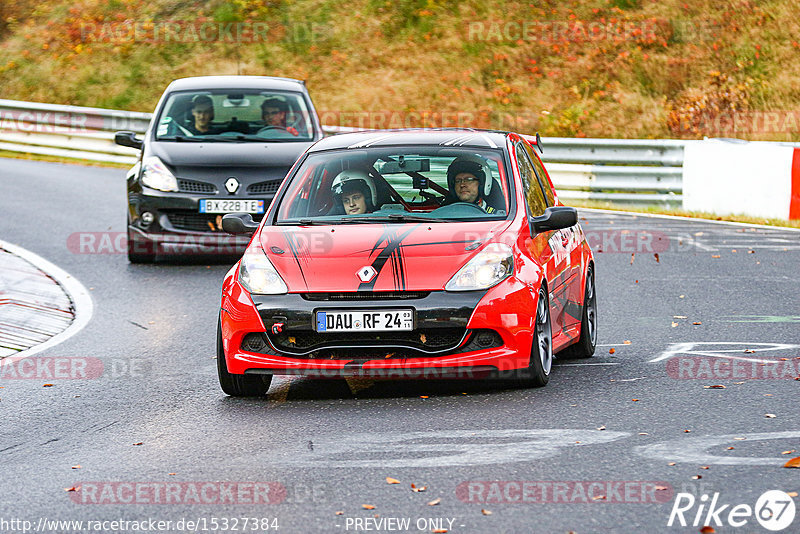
412 183
540 172
240 115
530 184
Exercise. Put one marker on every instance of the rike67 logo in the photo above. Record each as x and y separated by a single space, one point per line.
774 510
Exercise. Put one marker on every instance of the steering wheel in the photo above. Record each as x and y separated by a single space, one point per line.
265 128
457 206
289 129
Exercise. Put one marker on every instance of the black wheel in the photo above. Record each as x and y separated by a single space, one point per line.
239 385
586 344
139 252
538 372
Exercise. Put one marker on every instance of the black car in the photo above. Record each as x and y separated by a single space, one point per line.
216 145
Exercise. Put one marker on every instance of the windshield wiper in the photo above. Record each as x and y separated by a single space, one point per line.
182 139
305 222
393 217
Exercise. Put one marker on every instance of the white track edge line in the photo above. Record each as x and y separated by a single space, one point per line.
697 219
80 297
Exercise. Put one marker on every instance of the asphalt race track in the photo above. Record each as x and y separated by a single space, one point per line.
640 414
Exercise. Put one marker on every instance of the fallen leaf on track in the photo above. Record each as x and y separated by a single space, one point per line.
626 342
440 531
788 452
601 427
340 513
418 489
707 530
73 488
486 512
794 462
435 502
658 260
697 322
770 415
715 386
368 506
792 494
716 256
611 350
671 463
674 324
47 385
76 466
390 480
599 498
139 443
697 477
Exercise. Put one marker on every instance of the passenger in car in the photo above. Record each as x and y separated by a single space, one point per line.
470 180
354 192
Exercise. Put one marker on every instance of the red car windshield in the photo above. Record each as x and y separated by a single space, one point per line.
413 183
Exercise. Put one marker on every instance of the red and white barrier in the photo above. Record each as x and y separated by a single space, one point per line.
758 179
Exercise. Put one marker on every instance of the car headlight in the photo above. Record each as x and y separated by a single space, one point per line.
156 175
259 276
492 265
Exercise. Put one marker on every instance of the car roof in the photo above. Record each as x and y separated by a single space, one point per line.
237 82
456 137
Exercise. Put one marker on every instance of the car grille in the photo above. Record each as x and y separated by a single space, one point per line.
366 295
438 342
191 186
197 222
261 188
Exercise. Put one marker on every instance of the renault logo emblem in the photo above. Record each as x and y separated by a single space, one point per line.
232 185
365 274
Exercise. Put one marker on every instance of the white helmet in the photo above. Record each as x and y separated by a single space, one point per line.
355 179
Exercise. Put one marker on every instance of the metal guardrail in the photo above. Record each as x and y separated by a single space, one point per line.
640 171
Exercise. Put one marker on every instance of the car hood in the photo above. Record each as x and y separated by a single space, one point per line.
221 154
404 257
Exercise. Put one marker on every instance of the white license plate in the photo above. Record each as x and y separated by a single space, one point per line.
365 321
213 205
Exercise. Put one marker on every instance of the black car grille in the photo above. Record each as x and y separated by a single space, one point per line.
191 186
430 339
366 295
262 188
197 222
408 341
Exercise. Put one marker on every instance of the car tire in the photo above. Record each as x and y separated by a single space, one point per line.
238 385
136 256
587 342
537 374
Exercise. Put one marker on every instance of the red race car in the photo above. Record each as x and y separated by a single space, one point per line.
408 254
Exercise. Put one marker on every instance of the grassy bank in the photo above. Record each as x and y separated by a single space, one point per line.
597 68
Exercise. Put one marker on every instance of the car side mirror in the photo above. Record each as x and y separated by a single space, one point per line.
554 218
127 138
239 223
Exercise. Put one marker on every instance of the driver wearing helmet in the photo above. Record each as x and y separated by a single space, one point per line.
355 191
470 180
